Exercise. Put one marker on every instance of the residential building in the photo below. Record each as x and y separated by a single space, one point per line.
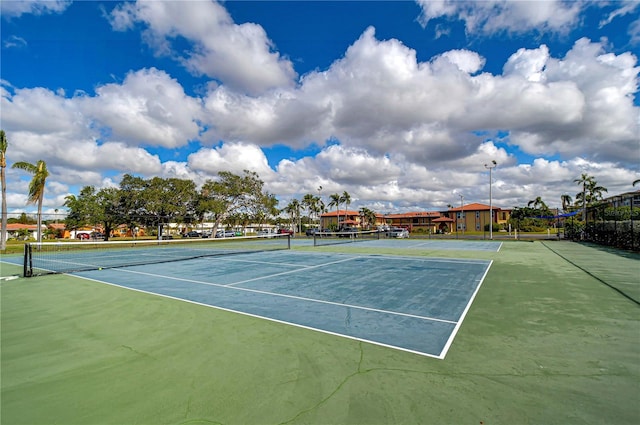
340 218
470 217
473 217
628 199
419 221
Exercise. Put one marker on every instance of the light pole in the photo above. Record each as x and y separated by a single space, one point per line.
490 167
462 212
321 208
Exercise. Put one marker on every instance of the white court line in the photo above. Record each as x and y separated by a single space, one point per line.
451 244
304 268
446 347
427 259
295 297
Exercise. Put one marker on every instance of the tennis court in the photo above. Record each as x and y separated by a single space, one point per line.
410 304
360 333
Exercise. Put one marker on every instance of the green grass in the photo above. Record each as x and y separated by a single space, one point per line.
544 343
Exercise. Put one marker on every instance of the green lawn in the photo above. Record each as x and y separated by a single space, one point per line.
544 343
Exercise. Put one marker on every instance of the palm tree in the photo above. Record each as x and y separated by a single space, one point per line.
36 187
346 199
591 192
293 209
335 201
583 180
538 203
310 202
635 182
3 165
368 216
566 202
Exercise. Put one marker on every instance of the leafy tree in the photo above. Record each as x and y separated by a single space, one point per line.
265 208
230 193
91 207
109 212
169 200
3 165
81 208
526 219
36 186
131 202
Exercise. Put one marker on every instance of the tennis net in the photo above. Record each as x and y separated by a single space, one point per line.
66 257
333 238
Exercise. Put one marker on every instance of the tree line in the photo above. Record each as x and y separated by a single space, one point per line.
154 202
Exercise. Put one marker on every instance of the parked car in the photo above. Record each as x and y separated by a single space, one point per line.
311 232
225 234
398 232
97 235
348 232
286 232
83 236
191 234
263 233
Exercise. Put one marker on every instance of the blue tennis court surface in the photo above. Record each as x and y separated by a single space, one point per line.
411 304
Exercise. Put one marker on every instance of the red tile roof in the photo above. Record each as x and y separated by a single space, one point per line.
443 220
19 226
340 213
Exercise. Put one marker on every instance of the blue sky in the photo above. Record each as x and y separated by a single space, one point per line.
399 103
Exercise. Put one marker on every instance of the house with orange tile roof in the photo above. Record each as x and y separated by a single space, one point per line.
473 217
20 230
340 218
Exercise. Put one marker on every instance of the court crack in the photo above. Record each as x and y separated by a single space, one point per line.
359 371
133 350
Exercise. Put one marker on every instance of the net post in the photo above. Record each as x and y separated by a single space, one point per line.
27 268
288 241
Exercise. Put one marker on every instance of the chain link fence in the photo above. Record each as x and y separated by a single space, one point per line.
614 223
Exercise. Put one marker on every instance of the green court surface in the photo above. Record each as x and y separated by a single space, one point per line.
552 337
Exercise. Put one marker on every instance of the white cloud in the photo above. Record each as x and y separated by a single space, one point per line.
239 55
625 7
13 41
380 98
148 108
491 16
13 8
233 157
